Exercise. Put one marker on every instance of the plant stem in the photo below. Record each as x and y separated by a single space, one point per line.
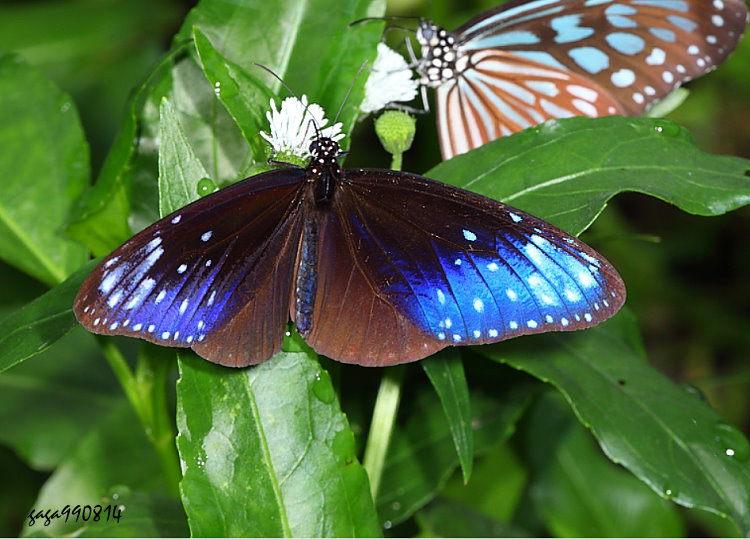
122 372
396 161
147 395
381 426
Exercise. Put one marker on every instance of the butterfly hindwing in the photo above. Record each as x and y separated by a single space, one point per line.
221 264
481 272
503 93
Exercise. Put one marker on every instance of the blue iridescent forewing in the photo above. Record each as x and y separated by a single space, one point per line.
464 269
215 275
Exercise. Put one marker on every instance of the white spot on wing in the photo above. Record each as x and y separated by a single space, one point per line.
441 297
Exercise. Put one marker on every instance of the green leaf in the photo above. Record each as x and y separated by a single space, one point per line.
179 167
104 211
497 486
244 96
662 433
564 171
446 518
577 491
38 325
60 396
446 373
44 165
286 39
422 455
266 453
114 452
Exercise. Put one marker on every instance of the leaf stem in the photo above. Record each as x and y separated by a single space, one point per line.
381 426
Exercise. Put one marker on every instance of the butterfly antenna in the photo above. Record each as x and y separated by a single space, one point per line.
312 118
349 91
389 18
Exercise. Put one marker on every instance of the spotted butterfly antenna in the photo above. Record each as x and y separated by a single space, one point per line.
312 118
349 91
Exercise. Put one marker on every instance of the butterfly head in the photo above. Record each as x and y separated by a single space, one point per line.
324 148
324 169
438 63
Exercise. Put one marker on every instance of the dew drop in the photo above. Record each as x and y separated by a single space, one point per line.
669 493
696 392
323 388
665 127
733 442
206 186
387 525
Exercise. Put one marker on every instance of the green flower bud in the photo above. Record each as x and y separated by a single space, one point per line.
395 130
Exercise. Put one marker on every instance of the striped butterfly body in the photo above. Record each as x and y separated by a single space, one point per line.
374 267
525 62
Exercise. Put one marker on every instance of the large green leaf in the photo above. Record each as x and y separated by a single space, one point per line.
447 518
662 433
497 486
285 36
245 97
577 492
266 451
179 167
113 452
422 454
564 171
39 324
45 166
105 211
60 396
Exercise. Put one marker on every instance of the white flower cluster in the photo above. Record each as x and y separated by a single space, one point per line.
390 81
293 127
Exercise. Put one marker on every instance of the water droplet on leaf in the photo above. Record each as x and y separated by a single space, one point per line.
733 442
206 186
323 388
667 128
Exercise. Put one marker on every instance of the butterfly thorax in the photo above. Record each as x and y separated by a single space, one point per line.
440 61
324 170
